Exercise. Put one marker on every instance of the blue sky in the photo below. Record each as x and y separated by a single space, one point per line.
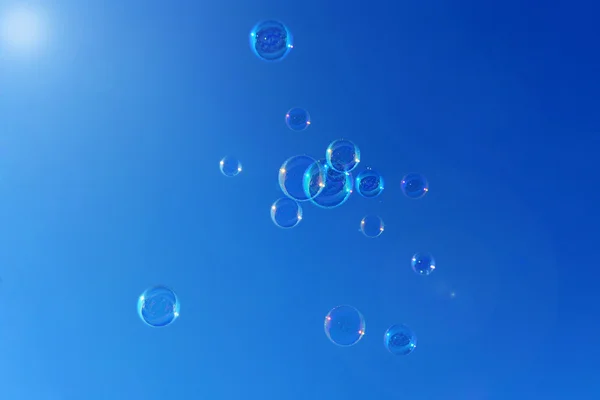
111 132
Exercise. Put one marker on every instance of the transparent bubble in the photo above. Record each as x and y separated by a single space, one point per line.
299 180
286 213
230 166
297 119
414 186
344 326
158 306
369 183
371 226
400 340
271 40
334 188
422 263
342 155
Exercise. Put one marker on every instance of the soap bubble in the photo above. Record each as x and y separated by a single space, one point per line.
371 226
286 213
400 340
344 326
158 306
230 166
297 119
271 40
414 186
342 155
422 263
369 183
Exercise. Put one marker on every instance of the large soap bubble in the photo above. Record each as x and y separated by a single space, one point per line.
342 155
369 183
400 340
158 306
271 40
344 326
297 119
414 186
372 226
230 166
286 213
422 263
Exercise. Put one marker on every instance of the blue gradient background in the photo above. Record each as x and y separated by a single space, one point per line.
109 183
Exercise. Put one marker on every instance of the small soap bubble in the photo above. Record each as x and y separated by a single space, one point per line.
271 40
371 226
230 166
342 155
414 186
400 340
369 183
299 179
297 119
344 326
335 187
158 306
286 213
423 263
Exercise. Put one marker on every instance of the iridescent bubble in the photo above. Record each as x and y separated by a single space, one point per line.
230 166
271 40
371 226
335 187
369 183
344 326
297 119
423 263
342 155
400 340
158 306
286 213
414 186
299 180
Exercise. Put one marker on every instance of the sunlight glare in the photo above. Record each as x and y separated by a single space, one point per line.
22 29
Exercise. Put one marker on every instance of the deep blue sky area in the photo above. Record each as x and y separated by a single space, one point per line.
111 132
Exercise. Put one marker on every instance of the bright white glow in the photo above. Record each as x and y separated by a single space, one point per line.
22 29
